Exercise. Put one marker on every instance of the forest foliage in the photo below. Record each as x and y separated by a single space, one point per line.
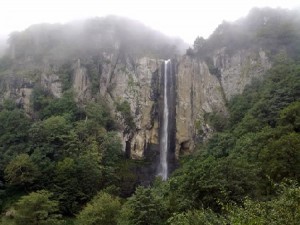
65 165
247 173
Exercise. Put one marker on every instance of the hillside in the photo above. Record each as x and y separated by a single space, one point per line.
84 106
267 29
59 43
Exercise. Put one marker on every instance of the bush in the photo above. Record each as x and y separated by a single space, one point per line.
37 208
102 210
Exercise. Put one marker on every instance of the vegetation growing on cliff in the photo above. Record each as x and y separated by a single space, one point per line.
232 179
272 31
66 150
247 173
261 28
63 164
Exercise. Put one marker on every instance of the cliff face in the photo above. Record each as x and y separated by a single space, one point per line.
138 83
81 83
16 88
239 69
198 92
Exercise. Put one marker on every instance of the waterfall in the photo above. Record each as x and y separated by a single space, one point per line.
164 139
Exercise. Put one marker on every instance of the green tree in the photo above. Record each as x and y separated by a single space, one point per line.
14 126
283 209
53 136
290 116
112 154
46 105
144 208
196 217
206 182
102 210
281 158
216 120
99 113
125 110
37 208
77 180
21 171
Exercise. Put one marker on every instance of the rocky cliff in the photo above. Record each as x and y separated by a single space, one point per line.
238 70
138 83
198 92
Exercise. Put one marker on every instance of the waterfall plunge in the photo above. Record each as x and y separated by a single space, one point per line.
164 139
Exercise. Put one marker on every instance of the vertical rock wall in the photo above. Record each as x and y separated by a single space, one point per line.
239 69
81 83
194 91
137 82
198 92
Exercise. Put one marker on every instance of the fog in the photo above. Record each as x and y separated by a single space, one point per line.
91 39
3 44
180 18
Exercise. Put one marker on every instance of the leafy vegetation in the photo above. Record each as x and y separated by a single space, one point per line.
63 163
233 179
126 116
66 150
37 208
103 210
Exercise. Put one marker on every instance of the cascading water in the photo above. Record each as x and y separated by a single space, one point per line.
164 139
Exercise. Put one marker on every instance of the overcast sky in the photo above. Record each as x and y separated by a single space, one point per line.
183 18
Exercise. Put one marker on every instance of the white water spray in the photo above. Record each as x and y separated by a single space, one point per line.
164 140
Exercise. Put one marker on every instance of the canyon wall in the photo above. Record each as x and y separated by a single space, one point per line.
138 83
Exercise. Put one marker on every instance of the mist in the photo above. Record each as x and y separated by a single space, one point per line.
59 43
153 24
3 44
185 19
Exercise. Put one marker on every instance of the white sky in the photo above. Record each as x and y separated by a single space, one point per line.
183 18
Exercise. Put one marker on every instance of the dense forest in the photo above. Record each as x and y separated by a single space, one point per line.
63 164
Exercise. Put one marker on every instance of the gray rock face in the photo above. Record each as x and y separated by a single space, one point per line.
138 82
52 83
238 70
81 83
18 89
198 92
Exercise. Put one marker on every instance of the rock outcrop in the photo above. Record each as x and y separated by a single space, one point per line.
18 89
198 92
81 83
138 82
239 69
52 83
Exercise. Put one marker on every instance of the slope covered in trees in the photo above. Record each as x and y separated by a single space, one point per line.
266 28
59 158
246 174
65 166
